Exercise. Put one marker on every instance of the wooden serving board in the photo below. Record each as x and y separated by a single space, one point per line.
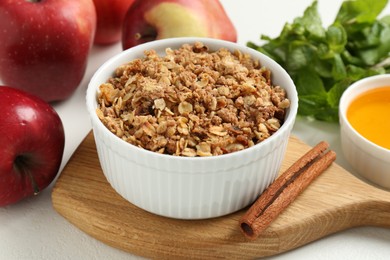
335 201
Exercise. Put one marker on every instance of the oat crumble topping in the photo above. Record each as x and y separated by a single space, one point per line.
192 102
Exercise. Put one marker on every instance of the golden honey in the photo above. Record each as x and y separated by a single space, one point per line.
369 115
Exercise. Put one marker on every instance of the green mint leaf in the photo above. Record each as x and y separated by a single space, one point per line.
308 82
299 56
360 11
311 21
339 71
336 91
316 106
336 37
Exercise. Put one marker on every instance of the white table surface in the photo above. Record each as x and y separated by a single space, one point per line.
32 229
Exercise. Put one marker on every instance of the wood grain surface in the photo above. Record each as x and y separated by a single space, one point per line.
335 201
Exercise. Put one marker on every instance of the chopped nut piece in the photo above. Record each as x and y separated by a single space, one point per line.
203 149
285 103
218 130
273 124
185 108
108 93
234 147
162 127
159 104
189 152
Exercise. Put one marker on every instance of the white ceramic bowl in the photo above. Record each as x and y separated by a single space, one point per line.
369 159
183 187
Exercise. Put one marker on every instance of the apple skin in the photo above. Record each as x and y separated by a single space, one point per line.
45 45
32 144
110 16
158 19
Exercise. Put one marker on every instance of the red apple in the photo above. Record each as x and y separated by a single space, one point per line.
147 20
32 144
110 16
45 45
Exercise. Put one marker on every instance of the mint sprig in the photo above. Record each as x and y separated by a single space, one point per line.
323 62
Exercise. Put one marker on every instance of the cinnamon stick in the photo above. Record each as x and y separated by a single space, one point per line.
285 189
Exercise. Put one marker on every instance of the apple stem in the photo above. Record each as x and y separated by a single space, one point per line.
149 34
137 36
21 164
33 182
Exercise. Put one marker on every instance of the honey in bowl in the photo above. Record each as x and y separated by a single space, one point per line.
369 115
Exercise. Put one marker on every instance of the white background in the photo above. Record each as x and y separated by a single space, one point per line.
32 229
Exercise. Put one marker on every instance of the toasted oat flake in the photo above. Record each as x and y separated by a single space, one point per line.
192 102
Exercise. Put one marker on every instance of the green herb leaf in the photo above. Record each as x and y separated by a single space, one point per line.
360 11
336 38
311 21
323 62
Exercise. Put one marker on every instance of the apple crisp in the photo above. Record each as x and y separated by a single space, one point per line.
192 102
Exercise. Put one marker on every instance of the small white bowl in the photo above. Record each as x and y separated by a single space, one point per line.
183 187
369 159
